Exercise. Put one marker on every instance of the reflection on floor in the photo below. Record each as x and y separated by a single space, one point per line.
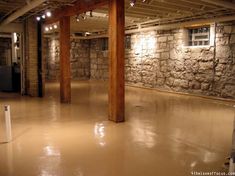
164 134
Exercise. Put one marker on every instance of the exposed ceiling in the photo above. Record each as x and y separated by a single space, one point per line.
148 13
8 7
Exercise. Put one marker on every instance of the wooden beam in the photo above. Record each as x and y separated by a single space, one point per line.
116 60
65 76
80 6
226 4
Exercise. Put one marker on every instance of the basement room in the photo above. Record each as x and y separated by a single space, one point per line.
117 87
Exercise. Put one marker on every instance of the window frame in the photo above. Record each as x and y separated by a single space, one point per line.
199 36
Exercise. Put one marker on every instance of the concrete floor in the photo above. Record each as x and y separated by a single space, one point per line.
164 134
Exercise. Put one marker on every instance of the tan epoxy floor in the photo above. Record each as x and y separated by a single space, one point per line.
165 134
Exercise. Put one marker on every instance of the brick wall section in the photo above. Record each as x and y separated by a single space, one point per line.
44 63
79 58
31 58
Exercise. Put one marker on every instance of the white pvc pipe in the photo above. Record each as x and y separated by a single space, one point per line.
231 165
8 123
226 4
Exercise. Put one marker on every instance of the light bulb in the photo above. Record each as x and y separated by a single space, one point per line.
48 14
38 18
46 29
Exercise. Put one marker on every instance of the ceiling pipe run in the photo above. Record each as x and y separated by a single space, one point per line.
221 3
31 5
182 24
161 27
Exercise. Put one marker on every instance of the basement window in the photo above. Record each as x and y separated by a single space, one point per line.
199 36
104 44
128 42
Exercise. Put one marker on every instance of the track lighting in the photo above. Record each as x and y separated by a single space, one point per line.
84 16
133 2
77 18
51 27
47 14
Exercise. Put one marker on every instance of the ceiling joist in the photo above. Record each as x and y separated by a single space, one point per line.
80 6
31 5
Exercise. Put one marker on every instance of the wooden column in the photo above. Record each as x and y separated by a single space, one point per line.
65 75
116 60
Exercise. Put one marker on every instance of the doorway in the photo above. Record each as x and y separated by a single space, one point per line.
10 59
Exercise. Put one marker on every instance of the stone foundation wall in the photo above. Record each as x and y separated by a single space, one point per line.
99 61
79 58
160 59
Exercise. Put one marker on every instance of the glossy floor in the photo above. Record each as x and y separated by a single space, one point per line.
164 134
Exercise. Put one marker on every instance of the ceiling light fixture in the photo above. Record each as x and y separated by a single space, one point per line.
55 26
43 16
48 14
84 16
77 18
132 3
91 15
38 18
46 29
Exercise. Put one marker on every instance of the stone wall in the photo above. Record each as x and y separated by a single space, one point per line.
99 61
160 59
79 57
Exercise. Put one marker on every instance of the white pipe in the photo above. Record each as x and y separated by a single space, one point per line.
231 166
183 24
226 4
31 5
8 123
166 26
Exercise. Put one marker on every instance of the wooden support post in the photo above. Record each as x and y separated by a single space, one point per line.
116 60
65 75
